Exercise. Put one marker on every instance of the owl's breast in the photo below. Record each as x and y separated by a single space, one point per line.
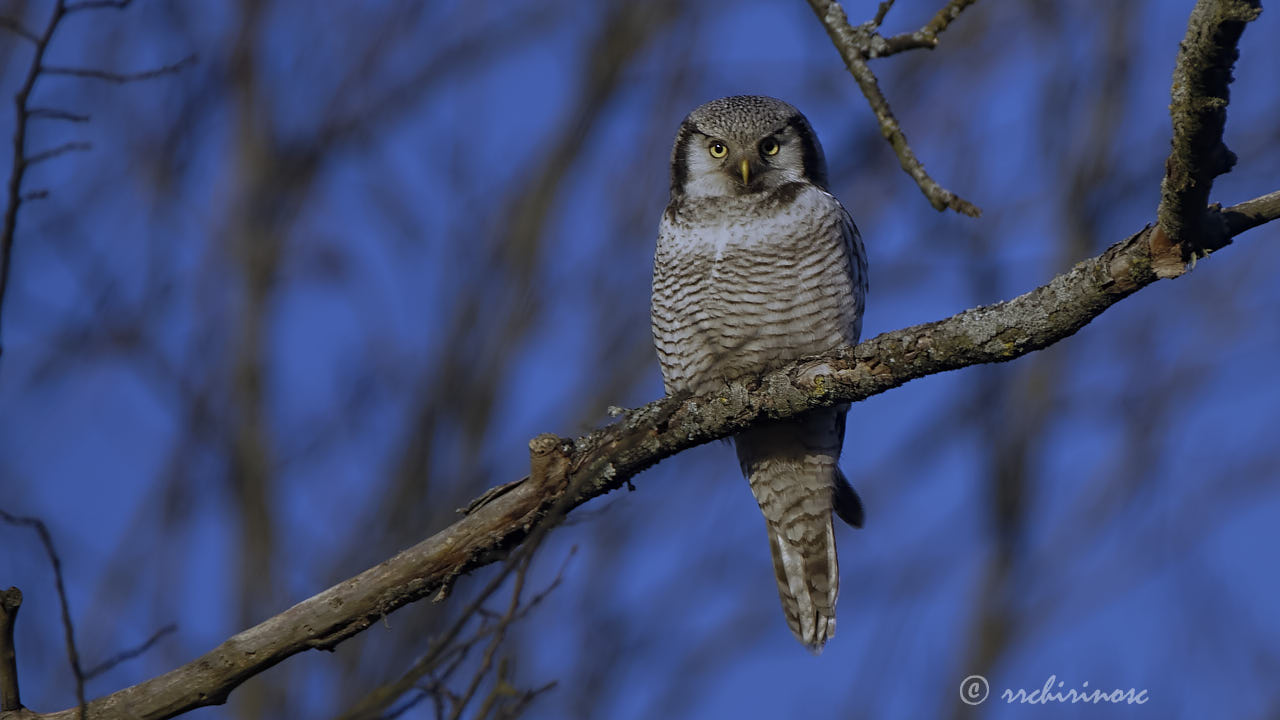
743 287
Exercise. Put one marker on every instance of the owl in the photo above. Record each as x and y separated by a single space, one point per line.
758 265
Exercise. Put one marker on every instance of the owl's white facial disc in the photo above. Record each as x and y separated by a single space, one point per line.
743 145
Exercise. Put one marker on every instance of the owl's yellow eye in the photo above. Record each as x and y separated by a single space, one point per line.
717 150
769 146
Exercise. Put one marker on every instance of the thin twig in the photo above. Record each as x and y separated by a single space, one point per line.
69 631
37 69
19 167
516 709
939 197
129 654
926 37
858 44
499 633
424 693
881 11
501 690
15 27
441 648
119 77
98 5
63 149
447 647
55 114
515 612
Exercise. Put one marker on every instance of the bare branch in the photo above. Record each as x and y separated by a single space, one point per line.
69 631
63 149
856 45
441 650
19 168
503 690
131 653
927 36
1252 213
10 601
1198 107
55 114
15 27
447 646
117 77
98 5
881 11
21 161
939 197
499 632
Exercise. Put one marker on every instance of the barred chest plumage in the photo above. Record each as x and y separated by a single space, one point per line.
743 284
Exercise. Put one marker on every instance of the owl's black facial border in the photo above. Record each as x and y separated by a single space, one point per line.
815 166
680 158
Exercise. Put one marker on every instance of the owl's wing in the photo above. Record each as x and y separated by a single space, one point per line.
845 499
666 318
856 255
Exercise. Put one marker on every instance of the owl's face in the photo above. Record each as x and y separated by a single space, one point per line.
742 145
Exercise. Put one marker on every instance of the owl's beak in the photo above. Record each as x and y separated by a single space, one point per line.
746 172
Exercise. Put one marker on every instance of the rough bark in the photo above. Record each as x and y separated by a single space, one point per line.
1198 109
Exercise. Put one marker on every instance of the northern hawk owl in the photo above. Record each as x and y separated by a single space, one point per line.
758 264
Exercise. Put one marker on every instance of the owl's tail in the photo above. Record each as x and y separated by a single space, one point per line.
792 469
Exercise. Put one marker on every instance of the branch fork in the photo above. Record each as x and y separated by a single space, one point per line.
857 45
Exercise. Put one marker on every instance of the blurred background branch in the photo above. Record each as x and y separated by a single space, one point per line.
13 599
23 159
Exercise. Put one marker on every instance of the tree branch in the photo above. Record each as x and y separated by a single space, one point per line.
119 77
98 5
1252 213
63 149
927 36
15 27
56 114
1198 108
858 44
37 69
129 654
10 601
19 168
68 629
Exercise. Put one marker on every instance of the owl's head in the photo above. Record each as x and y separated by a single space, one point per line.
744 144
